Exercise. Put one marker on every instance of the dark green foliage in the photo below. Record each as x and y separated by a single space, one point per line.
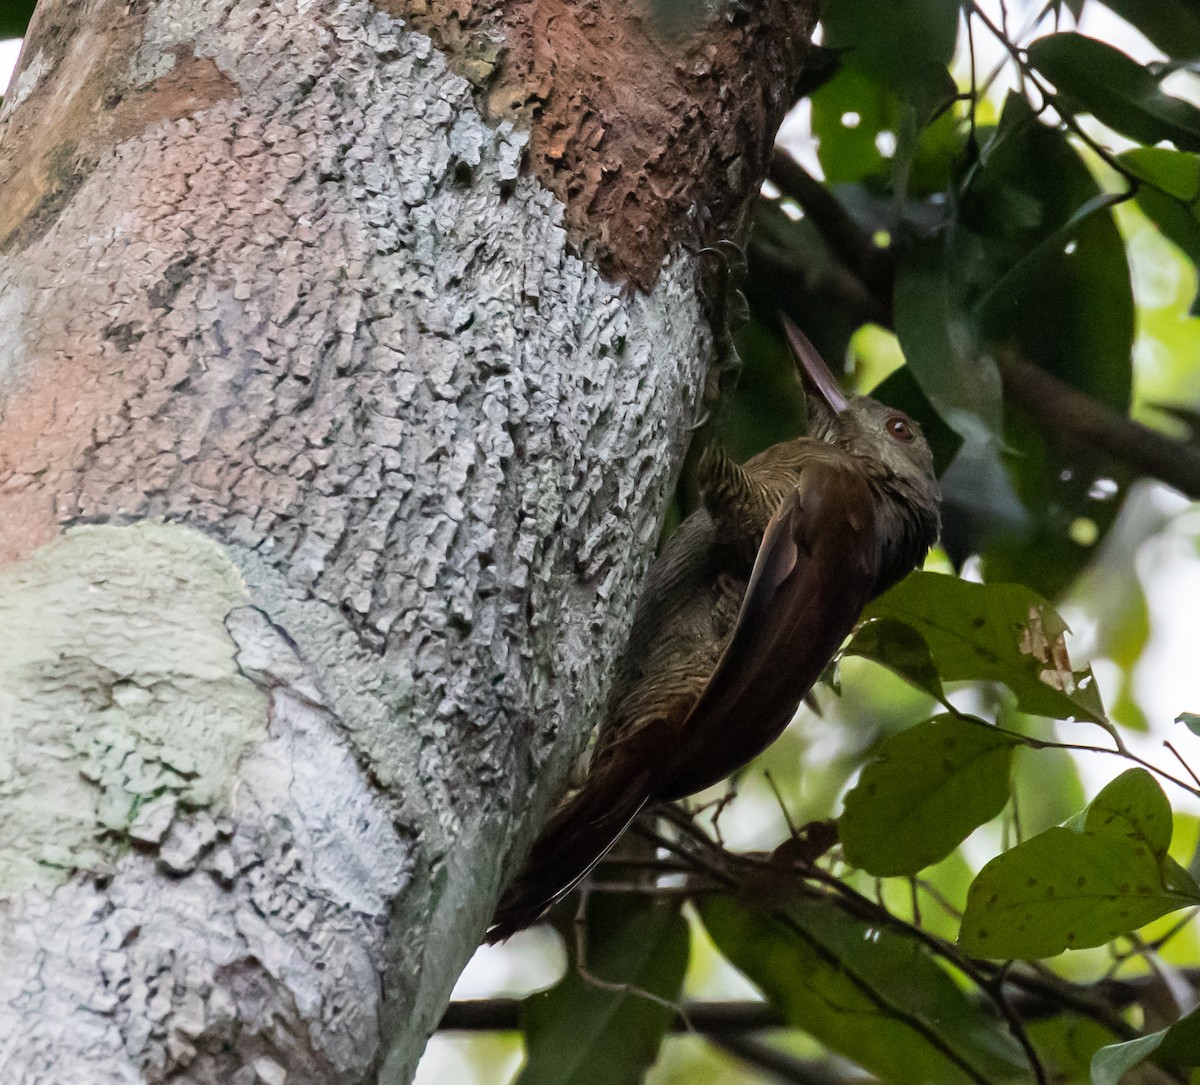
1103 81
872 995
579 1033
14 17
910 56
1173 25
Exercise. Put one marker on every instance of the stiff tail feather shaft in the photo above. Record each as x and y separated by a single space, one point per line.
577 838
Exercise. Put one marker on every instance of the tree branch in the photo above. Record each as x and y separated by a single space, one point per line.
709 1018
735 1017
1057 405
851 244
1052 402
788 1068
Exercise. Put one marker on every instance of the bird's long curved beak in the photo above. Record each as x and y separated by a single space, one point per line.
814 373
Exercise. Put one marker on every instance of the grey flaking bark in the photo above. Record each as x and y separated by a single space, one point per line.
324 321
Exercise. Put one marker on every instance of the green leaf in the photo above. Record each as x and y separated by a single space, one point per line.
994 632
910 50
1181 1045
1104 874
1110 1064
856 115
1063 890
865 992
1115 89
929 789
1028 272
849 113
1170 198
1074 317
939 344
1178 1045
577 1033
900 648
1174 173
1134 806
14 17
1190 720
1173 25
1066 1043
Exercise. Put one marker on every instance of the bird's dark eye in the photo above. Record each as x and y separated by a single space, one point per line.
899 427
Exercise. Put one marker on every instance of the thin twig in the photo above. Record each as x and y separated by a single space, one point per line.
1128 755
1025 72
1179 757
1176 928
580 927
884 1005
793 832
734 1016
1016 1026
940 898
976 971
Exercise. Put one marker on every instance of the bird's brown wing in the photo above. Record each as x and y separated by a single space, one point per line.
812 576
814 572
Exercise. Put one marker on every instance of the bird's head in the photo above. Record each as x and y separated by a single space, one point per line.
861 425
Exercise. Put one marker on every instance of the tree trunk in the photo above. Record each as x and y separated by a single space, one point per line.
341 396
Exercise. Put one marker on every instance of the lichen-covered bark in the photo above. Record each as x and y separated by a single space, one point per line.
328 467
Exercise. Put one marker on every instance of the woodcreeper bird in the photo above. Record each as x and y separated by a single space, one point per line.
741 612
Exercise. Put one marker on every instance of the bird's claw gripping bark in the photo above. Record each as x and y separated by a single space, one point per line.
728 312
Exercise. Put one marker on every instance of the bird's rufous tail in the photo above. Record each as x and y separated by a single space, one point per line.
577 837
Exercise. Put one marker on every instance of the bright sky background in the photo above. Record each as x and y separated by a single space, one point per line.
8 59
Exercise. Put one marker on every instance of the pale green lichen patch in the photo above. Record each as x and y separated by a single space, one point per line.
120 695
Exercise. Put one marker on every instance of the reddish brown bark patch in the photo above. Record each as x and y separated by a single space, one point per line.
648 141
194 83
82 105
47 426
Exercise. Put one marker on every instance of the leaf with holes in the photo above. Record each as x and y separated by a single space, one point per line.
993 632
